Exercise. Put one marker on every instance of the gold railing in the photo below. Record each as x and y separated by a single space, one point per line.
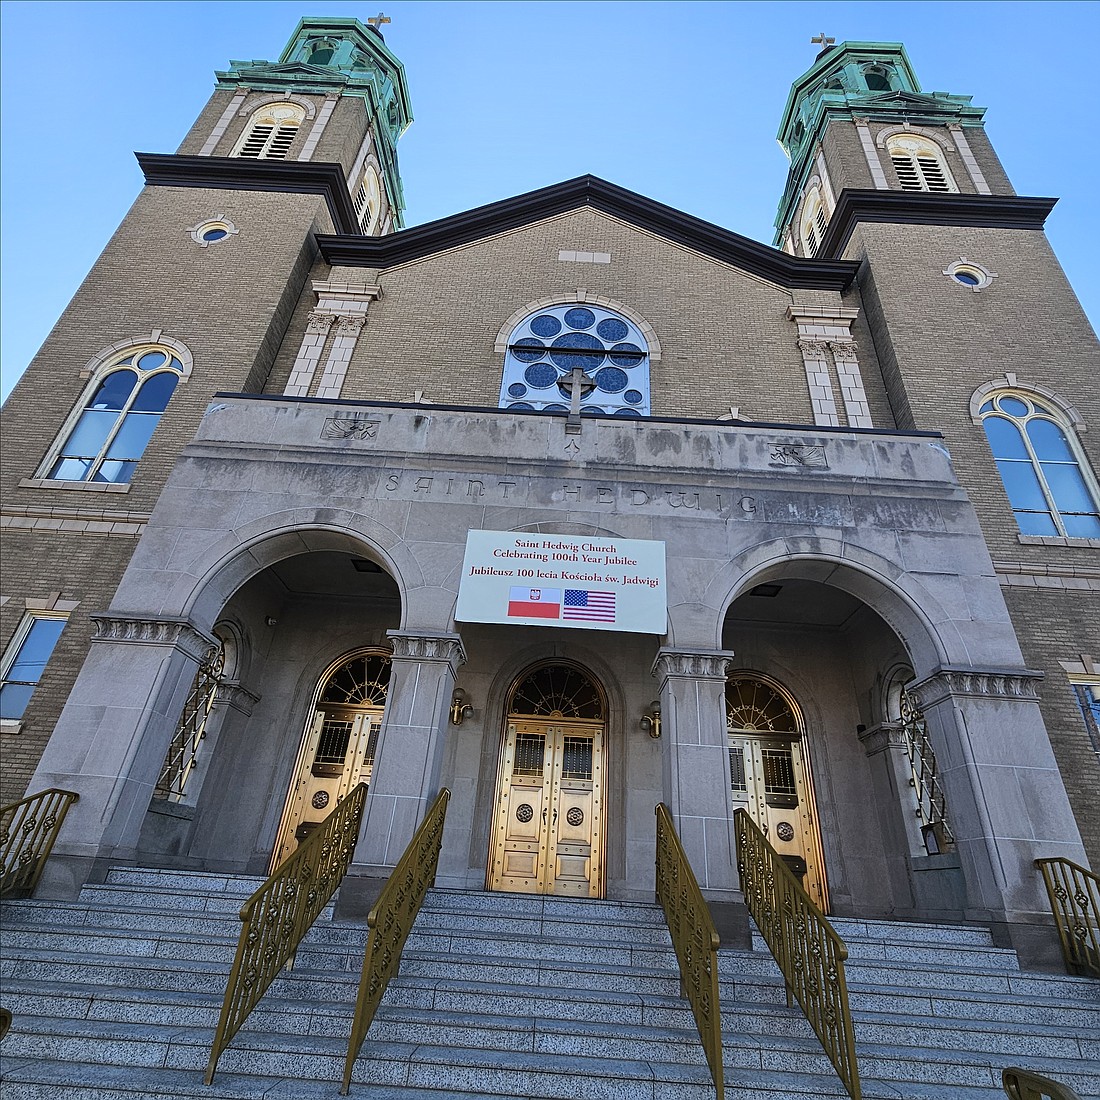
1074 893
809 952
281 911
1022 1084
693 937
28 829
391 920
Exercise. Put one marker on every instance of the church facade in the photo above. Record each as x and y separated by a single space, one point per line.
572 503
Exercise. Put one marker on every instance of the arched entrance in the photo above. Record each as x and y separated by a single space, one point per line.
548 830
338 748
770 776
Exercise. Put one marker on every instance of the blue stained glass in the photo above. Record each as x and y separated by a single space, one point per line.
114 390
89 435
611 379
1068 488
153 396
115 471
1013 406
1035 523
152 359
627 412
546 324
555 407
539 376
624 360
612 329
576 340
1049 441
517 389
1082 527
987 407
1022 486
592 410
133 437
635 397
528 356
215 234
14 699
521 406
968 278
579 317
1004 438
71 469
35 650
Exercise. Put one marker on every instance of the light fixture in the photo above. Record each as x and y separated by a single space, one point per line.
271 620
651 719
460 709
931 836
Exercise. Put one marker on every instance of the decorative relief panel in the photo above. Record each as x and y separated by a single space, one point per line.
699 665
428 647
989 683
337 427
162 632
797 454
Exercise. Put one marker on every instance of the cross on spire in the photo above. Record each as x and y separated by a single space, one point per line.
376 21
823 40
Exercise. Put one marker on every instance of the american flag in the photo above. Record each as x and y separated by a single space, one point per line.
598 607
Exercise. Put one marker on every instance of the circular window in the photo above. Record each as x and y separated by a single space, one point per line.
966 273
967 278
517 389
215 234
212 230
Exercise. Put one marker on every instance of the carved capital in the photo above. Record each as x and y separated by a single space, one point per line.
350 326
844 352
428 647
988 683
812 349
887 735
234 695
319 323
695 664
178 633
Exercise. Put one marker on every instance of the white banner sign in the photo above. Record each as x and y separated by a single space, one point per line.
563 580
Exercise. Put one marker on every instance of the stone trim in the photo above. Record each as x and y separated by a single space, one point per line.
567 256
309 354
826 183
74 521
989 683
178 633
879 739
819 382
878 176
318 127
1010 381
222 124
182 352
235 696
936 136
307 105
972 167
339 356
695 664
428 646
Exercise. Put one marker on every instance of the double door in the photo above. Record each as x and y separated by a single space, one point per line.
338 753
548 829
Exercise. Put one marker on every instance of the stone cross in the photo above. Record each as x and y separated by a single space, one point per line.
377 20
822 39
579 384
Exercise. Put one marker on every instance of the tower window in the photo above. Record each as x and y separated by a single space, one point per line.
546 347
368 200
877 78
1049 484
25 661
813 223
271 132
919 164
113 427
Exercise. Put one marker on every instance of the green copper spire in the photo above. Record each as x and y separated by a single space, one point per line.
856 80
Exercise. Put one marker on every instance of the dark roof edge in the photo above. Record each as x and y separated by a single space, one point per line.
770 425
242 174
857 205
665 221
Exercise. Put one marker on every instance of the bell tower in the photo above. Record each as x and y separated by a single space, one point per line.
859 119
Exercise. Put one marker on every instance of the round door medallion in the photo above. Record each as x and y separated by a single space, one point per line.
320 800
575 815
785 831
524 813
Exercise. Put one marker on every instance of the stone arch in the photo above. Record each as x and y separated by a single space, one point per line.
1011 382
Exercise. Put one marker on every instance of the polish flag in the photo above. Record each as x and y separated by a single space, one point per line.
534 603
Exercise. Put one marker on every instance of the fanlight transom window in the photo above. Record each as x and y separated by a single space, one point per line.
271 132
919 164
118 419
361 681
1050 487
557 691
755 706
545 348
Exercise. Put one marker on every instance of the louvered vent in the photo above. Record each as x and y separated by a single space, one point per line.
908 174
256 141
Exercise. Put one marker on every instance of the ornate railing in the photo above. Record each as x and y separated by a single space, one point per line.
28 829
281 911
694 938
809 952
1022 1084
931 803
191 731
1074 893
391 920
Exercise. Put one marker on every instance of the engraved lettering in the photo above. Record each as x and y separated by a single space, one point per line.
472 492
638 496
571 491
423 485
392 482
683 500
748 504
605 496
505 486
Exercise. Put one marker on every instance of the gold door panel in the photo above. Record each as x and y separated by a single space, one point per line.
548 829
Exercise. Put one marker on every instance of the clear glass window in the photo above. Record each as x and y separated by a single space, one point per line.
26 660
1049 485
546 347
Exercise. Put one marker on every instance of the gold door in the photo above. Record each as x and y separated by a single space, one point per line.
547 836
338 753
770 779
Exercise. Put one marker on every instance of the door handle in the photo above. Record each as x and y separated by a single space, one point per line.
555 821
544 815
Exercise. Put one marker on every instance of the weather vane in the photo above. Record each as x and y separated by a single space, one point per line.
822 39
376 21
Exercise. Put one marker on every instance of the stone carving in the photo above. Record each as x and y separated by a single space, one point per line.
428 647
797 454
232 693
319 323
698 664
845 352
887 735
350 326
163 632
812 349
993 683
338 427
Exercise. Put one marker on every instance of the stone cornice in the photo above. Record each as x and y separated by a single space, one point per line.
857 205
427 646
244 174
988 683
588 191
884 736
233 694
178 633
695 664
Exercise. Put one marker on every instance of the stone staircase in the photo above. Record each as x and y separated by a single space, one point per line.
118 994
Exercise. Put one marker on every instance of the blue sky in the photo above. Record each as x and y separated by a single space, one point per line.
678 101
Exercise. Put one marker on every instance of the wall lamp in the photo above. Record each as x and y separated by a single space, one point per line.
460 709
651 719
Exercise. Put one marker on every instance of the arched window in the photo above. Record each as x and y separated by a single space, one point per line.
271 131
546 347
919 163
321 51
115 423
368 200
1049 484
877 78
814 221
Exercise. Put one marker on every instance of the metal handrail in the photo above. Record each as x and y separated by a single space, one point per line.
1022 1084
694 938
1074 893
281 912
28 829
391 920
808 950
